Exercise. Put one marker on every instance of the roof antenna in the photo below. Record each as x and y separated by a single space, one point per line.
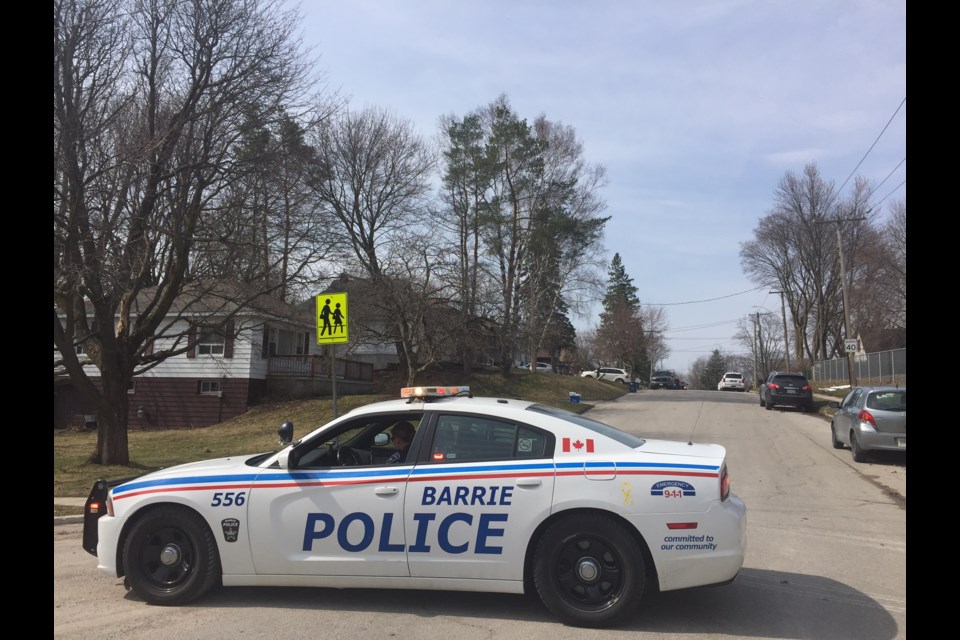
695 423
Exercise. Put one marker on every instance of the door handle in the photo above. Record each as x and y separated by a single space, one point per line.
386 491
529 482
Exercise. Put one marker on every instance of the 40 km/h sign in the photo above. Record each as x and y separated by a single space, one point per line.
332 326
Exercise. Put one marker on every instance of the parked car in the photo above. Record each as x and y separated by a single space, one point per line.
486 498
731 381
662 380
786 389
608 373
870 419
542 367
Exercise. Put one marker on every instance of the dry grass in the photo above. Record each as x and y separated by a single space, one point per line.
256 430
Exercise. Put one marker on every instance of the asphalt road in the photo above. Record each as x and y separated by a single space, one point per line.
826 556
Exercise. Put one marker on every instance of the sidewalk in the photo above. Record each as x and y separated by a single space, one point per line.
69 502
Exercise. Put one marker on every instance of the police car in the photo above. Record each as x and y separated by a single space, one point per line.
493 494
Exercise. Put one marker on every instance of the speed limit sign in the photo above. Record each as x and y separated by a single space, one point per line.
850 345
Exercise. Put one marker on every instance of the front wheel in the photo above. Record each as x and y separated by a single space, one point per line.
589 571
833 437
762 403
170 556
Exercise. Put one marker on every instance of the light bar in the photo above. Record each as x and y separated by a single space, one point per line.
433 392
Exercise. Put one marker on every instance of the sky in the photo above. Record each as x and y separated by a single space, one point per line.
697 109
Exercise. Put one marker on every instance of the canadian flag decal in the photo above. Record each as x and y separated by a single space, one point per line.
578 445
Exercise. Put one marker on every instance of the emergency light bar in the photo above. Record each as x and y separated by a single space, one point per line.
434 392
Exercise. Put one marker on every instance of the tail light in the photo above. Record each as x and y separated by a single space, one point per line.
773 385
864 416
807 387
724 483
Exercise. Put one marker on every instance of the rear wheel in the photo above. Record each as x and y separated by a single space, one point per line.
589 570
769 406
170 556
859 455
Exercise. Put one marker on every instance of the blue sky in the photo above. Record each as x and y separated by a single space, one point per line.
696 109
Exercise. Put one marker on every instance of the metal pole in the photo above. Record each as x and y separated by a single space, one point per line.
333 376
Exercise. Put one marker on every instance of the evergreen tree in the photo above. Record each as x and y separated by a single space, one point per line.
620 337
713 371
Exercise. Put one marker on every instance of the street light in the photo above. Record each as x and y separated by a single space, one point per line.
786 339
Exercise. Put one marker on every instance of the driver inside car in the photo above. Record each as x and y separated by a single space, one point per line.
402 437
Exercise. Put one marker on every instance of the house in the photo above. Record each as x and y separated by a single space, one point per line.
231 356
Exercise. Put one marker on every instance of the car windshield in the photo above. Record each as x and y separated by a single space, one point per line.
888 400
613 433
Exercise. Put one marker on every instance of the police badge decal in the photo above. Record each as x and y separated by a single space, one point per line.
231 529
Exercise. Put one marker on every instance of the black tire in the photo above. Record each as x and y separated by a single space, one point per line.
170 556
589 571
768 405
619 380
859 455
833 437
762 403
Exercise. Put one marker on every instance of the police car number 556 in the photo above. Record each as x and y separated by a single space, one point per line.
489 495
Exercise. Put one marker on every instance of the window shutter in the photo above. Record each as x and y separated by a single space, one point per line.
228 341
192 342
265 347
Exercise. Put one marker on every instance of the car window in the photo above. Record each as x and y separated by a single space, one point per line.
853 399
888 400
733 376
793 381
467 438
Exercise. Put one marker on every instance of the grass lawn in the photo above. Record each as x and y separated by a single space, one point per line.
256 430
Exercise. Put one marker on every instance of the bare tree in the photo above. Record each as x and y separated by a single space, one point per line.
149 99
374 173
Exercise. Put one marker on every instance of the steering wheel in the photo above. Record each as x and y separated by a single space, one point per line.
347 456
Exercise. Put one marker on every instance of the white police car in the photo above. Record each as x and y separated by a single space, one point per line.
493 495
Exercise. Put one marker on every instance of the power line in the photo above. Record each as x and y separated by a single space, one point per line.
873 145
673 304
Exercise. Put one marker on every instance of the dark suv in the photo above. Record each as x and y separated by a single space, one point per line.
786 389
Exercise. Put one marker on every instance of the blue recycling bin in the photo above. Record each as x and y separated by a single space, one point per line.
574 397
634 386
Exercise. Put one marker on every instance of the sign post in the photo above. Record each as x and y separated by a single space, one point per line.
332 329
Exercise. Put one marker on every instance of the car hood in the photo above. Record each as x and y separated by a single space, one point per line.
190 472
676 448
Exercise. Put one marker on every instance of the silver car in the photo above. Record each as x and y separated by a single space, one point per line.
870 419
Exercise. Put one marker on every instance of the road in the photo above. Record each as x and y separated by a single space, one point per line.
826 556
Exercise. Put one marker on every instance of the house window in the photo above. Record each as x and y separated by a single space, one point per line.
211 342
272 344
210 387
78 348
132 387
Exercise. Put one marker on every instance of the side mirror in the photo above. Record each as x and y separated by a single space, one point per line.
834 405
286 433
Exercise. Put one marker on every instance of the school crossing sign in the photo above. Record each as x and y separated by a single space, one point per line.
332 326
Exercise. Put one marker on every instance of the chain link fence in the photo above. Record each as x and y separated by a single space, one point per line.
880 367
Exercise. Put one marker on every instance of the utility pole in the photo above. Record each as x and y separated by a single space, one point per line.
786 339
756 319
851 374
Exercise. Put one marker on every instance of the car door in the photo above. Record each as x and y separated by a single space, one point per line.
476 496
322 517
846 415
